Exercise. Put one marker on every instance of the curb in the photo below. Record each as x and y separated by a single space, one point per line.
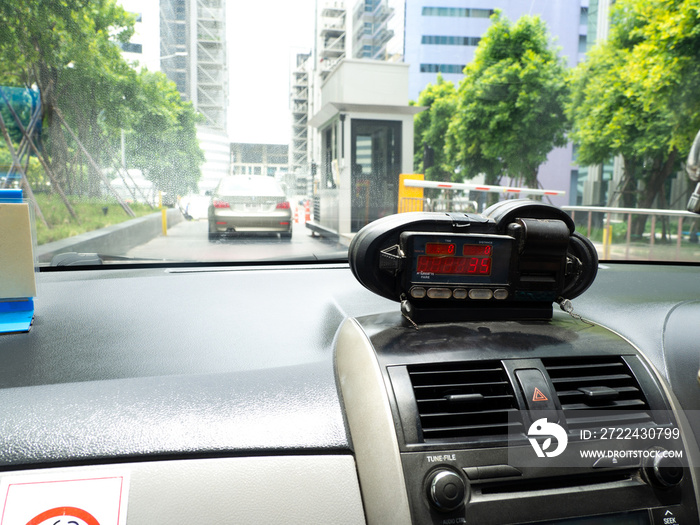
113 240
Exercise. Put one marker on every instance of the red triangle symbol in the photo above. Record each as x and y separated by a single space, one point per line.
539 396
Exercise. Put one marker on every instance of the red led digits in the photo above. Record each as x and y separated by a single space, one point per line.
423 263
477 250
448 264
485 266
461 265
439 248
454 265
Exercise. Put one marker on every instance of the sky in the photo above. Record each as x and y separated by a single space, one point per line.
263 39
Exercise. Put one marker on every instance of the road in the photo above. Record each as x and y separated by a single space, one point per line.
188 241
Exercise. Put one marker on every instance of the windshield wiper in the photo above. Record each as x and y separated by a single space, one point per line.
95 259
98 259
337 256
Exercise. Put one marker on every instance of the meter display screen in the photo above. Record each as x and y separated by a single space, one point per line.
458 259
454 265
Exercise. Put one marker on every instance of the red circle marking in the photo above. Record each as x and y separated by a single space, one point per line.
64 511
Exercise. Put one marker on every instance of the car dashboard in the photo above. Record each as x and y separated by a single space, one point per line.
290 393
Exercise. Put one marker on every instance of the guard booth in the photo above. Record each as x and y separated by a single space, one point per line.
364 132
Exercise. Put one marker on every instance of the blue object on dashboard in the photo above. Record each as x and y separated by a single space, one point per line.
16 315
10 195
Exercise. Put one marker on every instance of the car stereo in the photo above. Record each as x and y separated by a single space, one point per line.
512 262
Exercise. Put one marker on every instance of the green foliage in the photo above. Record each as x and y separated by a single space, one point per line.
35 173
163 140
90 211
510 104
430 129
664 70
637 94
69 50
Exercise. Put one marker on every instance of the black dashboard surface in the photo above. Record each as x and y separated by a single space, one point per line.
207 361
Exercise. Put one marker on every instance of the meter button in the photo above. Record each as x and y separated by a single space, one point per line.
480 293
500 294
418 292
439 293
459 293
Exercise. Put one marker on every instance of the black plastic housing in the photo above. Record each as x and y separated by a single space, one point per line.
548 262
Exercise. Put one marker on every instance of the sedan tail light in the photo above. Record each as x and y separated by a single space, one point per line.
284 205
218 203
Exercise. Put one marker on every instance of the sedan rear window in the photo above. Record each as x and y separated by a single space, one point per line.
249 186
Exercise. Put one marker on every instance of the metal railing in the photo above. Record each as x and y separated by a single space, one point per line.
601 221
668 235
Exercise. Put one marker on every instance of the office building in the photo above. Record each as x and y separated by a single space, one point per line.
370 29
193 55
143 49
352 30
300 83
271 160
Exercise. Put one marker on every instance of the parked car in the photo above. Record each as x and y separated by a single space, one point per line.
249 203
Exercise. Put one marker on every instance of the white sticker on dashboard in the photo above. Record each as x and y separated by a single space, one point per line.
87 498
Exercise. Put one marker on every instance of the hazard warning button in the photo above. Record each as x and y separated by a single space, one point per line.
536 391
539 396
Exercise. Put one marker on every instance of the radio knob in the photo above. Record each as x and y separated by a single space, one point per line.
446 490
666 471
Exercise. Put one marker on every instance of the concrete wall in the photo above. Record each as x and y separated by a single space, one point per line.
112 240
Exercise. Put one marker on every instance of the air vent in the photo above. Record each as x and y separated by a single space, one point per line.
598 391
464 402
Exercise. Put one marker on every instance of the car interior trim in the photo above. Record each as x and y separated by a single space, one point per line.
690 445
264 489
371 428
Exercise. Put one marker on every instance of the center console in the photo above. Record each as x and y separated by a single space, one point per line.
475 403
441 419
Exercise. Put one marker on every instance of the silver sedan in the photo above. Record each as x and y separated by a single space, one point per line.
249 203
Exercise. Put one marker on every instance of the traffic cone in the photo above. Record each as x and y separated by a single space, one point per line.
307 211
296 214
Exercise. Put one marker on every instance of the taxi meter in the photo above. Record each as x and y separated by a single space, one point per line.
512 262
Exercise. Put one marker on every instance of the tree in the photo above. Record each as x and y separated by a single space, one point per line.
430 130
637 95
46 43
510 104
163 139
609 119
69 50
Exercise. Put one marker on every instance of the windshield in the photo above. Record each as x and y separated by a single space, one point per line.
207 130
247 185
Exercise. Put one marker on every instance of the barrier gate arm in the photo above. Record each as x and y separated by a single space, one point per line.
478 187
